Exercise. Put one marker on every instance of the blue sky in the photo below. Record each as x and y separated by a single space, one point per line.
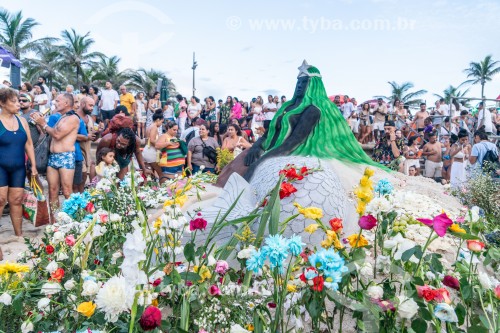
253 48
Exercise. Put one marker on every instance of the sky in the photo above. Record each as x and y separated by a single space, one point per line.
252 48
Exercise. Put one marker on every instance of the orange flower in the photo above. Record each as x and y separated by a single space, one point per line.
57 275
336 224
475 245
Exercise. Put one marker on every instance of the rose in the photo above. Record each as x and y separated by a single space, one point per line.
70 284
43 303
5 299
286 190
425 292
221 267
57 237
475 245
367 222
27 327
407 307
496 291
197 224
336 224
49 249
484 281
451 282
214 290
150 319
246 253
90 288
50 288
57 275
51 267
375 292
90 207
86 308
70 240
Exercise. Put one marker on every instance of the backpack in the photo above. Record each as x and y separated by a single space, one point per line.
190 136
490 161
209 152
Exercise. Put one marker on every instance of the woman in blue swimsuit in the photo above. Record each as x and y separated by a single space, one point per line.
15 141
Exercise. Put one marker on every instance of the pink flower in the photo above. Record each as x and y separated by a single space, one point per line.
496 291
197 224
104 218
451 282
221 267
202 331
214 290
439 223
367 222
70 240
150 319
90 207
475 245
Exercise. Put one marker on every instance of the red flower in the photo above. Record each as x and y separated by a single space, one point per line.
426 293
150 319
90 207
156 282
304 171
367 222
306 253
336 224
475 245
451 282
214 290
70 240
97 262
271 305
386 305
57 275
197 224
264 203
286 190
318 283
49 249
496 291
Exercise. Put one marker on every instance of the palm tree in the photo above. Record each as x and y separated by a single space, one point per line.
16 33
47 64
76 52
452 91
107 70
481 72
146 80
400 91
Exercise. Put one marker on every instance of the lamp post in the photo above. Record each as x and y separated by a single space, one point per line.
195 64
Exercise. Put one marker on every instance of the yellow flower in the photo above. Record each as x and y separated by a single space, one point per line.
180 200
364 194
311 228
156 251
203 272
13 267
369 172
360 209
357 241
326 243
86 308
312 213
334 240
154 302
157 223
456 228
365 181
250 327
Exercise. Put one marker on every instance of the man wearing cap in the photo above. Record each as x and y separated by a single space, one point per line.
379 118
388 147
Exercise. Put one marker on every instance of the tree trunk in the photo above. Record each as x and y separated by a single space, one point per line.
482 91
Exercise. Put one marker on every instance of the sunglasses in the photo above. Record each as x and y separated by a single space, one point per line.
23 101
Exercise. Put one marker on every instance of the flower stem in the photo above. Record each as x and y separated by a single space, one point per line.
429 240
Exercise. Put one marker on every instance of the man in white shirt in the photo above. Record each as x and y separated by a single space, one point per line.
109 100
484 119
43 81
269 109
347 108
442 111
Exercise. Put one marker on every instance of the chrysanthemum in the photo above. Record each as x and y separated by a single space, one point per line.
114 298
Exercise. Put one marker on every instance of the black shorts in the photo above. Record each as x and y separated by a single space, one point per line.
78 177
107 114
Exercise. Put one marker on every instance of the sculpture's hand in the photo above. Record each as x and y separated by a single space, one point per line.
253 154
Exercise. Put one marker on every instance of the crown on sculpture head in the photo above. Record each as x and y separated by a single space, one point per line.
307 70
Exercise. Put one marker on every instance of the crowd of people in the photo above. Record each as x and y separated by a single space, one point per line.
47 132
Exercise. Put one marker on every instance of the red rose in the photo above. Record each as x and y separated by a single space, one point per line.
57 275
197 224
318 283
367 222
49 249
271 305
150 319
156 282
304 171
336 224
286 190
90 207
451 282
426 293
475 245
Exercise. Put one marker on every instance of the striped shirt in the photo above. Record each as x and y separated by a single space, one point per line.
175 157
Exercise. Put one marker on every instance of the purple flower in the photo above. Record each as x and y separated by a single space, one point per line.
367 222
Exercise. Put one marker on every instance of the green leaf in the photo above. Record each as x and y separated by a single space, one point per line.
190 276
189 251
17 303
419 325
463 235
176 277
460 311
425 313
408 253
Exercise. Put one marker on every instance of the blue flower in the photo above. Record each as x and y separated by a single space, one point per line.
384 187
445 312
276 249
295 245
256 261
332 265
310 274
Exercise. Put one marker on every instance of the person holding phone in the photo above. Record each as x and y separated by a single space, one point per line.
388 147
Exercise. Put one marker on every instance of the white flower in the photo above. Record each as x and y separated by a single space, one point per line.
27 327
90 288
43 303
485 281
394 241
51 288
115 217
115 257
246 253
472 215
211 260
57 237
407 307
238 329
366 271
115 297
384 263
70 284
5 299
375 292
51 267
134 247
61 256
430 276
378 205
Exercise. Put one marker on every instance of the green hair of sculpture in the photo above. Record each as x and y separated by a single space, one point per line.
331 138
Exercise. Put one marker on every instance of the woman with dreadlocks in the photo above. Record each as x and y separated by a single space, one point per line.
125 144
307 125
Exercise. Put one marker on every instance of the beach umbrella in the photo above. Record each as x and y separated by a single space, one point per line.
163 93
